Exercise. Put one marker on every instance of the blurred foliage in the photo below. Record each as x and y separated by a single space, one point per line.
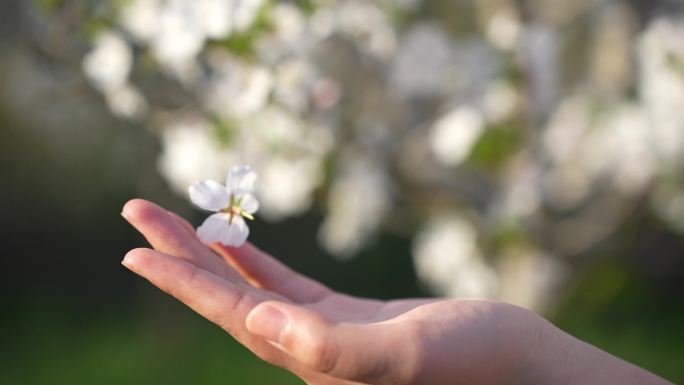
57 347
617 310
495 147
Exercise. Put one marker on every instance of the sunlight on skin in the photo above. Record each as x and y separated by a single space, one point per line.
328 338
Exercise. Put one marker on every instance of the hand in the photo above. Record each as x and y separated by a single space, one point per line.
329 338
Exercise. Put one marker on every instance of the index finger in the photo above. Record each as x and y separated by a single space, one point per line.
222 302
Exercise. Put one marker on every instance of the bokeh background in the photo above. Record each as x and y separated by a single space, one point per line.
522 150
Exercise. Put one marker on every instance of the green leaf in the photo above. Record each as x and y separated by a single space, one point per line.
495 147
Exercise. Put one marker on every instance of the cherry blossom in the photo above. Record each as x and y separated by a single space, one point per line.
231 203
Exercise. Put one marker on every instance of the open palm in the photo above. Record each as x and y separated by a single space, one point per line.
322 336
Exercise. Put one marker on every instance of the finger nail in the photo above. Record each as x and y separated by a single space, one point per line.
268 322
128 262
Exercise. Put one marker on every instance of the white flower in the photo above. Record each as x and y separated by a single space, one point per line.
231 202
424 64
448 258
368 25
180 35
215 17
127 102
245 12
358 201
190 153
661 86
454 135
140 19
108 64
238 88
282 198
503 30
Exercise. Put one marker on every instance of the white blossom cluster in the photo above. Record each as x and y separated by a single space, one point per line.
399 120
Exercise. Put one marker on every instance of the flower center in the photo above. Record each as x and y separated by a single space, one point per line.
235 209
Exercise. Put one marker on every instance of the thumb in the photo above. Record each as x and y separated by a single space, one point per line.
372 353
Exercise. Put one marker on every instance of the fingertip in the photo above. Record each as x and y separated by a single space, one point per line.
137 210
134 258
133 207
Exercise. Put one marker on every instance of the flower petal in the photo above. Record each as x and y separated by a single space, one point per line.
248 201
241 178
214 228
237 232
209 195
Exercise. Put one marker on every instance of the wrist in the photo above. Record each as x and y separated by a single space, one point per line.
556 357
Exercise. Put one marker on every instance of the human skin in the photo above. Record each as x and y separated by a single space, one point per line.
326 337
